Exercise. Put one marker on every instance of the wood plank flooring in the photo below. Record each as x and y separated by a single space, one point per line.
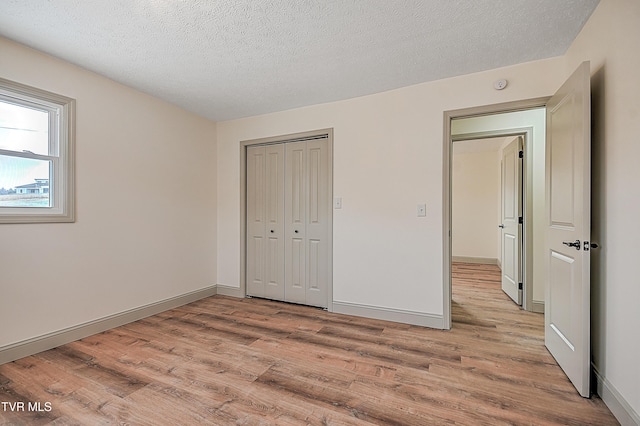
248 361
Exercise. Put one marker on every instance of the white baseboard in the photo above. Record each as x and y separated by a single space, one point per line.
481 260
620 408
48 341
229 291
537 307
388 314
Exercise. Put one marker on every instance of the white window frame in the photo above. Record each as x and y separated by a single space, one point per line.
61 154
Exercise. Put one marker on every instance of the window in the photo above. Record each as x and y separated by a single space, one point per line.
36 155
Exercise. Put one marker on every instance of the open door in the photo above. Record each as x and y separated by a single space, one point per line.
511 214
567 245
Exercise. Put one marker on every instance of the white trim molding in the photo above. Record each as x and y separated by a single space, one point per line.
619 407
479 260
226 290
537 307
48 341
389 314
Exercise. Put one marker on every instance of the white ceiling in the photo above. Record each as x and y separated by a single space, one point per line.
226 59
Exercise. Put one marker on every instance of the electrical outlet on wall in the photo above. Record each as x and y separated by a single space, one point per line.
422 210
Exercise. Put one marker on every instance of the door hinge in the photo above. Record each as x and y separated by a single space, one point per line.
520 220
520 154
519 286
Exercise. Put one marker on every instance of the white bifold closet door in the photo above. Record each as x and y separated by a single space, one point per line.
288 222
265 221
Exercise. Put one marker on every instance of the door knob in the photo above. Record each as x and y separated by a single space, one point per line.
575 244
501 226
296 231
272 231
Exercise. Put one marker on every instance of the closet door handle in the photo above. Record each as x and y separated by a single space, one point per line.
272 231
296 231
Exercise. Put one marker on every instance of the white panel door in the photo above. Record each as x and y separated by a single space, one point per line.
274 221
289 212
568 199
255 221
307 218
317 223
265 226
296 222
511 211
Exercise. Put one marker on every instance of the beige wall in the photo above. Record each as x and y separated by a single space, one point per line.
387 159
475 203
146 207
610 41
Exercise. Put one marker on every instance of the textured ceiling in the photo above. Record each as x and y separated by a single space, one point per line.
226 59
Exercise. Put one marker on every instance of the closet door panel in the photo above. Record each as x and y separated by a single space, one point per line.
295 220
274 222
317 223
255 256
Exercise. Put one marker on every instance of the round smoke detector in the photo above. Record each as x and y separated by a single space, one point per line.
500 84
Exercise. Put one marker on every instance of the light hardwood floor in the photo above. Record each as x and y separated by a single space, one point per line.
248 361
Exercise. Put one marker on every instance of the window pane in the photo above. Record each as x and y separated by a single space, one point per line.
24 129
24 182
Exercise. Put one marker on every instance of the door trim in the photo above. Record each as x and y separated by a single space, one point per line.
314 134
447 166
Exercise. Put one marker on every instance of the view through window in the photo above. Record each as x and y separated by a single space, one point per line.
24 173
36 155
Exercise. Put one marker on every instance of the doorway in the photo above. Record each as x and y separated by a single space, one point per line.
487 207
526 118
566 224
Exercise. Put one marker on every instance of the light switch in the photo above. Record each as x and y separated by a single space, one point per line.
422 210
337 203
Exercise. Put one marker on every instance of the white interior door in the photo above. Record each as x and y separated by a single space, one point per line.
568 199
307 216
296 222
288 221
274 221
319 209
265 221
255 221
511 212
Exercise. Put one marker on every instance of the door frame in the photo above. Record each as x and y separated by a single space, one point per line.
447 167
314 134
